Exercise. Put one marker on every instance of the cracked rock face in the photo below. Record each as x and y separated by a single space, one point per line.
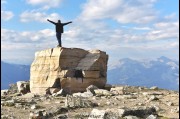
71 69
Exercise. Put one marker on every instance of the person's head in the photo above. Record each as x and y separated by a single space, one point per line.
59 21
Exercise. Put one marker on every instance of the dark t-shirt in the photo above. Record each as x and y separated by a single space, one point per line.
59 27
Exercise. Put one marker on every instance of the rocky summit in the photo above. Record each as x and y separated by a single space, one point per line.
70 69
70 83
120 102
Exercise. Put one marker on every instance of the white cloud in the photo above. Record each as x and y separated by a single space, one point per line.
141 28
28 16
3 1
171 16
6 15
164 30
45 3
127 11
11 36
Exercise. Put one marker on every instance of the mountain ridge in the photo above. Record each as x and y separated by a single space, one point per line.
162 72
11 73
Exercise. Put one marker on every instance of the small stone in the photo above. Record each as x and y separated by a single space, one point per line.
33 107
97 114
131 117
4 92
10 103
140 104
151 117
117 90
152 98
31 115
145 93
121 112
62 116
175 110
154 88
91 89
102 92
23 87
85 94
4 116
157 108
18 105
170 104
57 102
108 103
77 102
140 88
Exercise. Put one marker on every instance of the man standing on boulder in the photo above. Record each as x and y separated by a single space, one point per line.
59 29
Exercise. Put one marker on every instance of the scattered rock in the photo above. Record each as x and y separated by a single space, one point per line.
140 113
108 103
151 117
23 87
33 107
121 112
153 98
131 117
62 116
97 114
117 90
129 96
13 88
154 88
170 104
85 94
4 92
38 114
91 89
6 117
157 108
18 105
77 102
9 103
28 96
102 92
131 104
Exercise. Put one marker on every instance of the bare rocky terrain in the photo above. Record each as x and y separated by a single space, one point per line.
116 102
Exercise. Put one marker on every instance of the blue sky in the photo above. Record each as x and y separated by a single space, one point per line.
138 29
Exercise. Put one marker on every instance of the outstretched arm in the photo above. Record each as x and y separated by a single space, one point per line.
67 23
51 21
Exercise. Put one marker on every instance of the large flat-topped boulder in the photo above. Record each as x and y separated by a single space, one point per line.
71 69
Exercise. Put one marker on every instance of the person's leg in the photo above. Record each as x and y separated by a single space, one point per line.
58 35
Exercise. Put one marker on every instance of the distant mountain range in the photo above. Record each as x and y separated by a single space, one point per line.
11 73
162 72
